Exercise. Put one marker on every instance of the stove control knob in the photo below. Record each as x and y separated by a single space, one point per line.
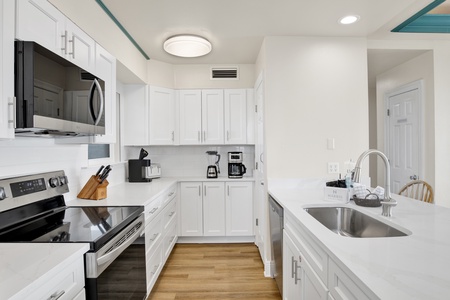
63 180
54 182
2 193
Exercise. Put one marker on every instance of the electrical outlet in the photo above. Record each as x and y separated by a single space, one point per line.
333 168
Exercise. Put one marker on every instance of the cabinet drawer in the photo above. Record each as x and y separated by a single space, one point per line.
170 239
169 195
154 266
313 253
342 287
67 284
152 209
169 213
153 234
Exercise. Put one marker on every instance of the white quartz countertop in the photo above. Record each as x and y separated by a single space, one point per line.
25 266
142 193
410 267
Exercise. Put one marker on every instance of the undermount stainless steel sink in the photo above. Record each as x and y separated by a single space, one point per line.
346 221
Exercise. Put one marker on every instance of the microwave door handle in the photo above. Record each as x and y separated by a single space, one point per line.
96 84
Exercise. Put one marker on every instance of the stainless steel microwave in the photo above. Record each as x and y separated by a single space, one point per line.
54 97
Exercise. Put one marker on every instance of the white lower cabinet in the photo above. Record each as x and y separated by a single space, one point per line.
216 208
160 233
320 276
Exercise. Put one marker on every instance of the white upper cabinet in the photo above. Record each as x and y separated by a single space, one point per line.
7 101
236 116
201 117
212 117
162 116
190 117
149 116
41 22
135 123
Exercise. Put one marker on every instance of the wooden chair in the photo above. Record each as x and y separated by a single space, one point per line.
418 189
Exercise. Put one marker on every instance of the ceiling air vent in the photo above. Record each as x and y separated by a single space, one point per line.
224 73
86 76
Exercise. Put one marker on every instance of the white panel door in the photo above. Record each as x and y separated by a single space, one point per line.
79 47
40 21
162 116
191 209
236 116
239 208
190 117
213 209
403 137
212 117
7 112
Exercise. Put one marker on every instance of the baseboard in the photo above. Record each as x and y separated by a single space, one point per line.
215 239
269 268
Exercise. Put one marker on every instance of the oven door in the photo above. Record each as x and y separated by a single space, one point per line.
117 270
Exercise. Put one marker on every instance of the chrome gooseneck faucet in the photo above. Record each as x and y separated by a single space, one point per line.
387 203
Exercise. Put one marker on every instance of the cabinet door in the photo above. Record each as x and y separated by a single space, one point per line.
162 116
313 287
239 208
191 209
7 102
190 117
292 271
236 116
79 47
40 21
213 209
212 117
135 123
105 68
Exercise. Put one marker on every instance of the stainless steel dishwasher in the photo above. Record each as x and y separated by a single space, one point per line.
276 236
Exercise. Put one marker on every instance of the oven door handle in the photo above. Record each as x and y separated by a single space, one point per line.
107 257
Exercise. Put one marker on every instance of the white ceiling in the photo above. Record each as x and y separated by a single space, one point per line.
236 28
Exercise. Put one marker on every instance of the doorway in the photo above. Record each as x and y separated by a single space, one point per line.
403 133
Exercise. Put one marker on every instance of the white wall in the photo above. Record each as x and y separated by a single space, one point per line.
316 89
419 68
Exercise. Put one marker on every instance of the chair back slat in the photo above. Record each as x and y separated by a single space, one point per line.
418 189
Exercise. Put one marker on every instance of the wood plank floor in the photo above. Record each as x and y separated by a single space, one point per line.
214 271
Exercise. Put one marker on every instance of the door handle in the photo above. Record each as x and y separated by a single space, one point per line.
414 177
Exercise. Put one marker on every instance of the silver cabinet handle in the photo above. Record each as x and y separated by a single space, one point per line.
64 36
154 236
153 210
171 194
73 47
297 269
293 263
12 112
228 190
413 177
173 136
204 191
171 213
204 135
155 268
56 295
198 135
228 135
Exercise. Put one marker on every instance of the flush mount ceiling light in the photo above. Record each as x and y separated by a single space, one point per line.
349 19
187 46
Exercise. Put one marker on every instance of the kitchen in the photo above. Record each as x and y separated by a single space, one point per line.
297 59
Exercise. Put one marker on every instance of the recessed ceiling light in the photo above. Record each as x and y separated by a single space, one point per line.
187 46
349 19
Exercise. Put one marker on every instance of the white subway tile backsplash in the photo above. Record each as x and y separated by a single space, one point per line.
191 161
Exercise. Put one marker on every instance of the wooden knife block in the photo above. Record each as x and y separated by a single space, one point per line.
93 189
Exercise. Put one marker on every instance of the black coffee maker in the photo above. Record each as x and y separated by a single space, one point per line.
137 167
236 169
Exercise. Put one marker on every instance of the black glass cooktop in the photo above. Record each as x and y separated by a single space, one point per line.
94 225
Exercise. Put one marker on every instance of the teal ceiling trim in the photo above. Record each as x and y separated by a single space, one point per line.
423 23
128 35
